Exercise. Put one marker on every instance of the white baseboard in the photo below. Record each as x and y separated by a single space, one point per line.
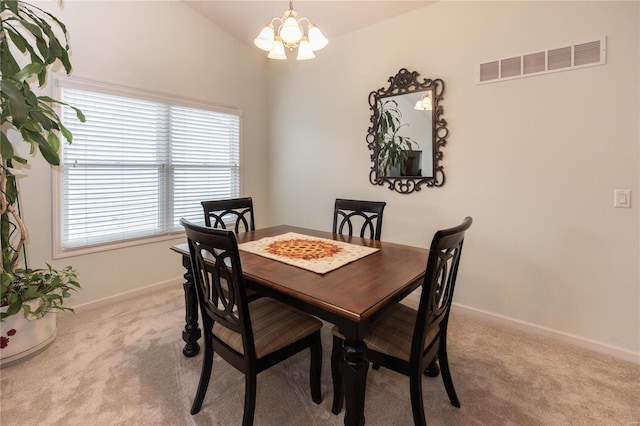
582 342
121 297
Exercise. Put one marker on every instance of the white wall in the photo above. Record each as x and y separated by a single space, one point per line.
168 48
534 160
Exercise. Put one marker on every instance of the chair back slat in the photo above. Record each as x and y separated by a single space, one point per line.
365 216
217 273
239 211
439 283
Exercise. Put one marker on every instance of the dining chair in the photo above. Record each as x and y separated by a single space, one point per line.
406 340
221 213
365 215
250 336
237 211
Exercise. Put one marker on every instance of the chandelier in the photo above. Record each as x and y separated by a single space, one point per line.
290 34
424 103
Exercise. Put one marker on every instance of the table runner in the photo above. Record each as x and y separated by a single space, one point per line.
319 255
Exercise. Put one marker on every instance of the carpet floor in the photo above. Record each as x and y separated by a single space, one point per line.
122 364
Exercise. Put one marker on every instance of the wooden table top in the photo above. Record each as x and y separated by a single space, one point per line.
355 291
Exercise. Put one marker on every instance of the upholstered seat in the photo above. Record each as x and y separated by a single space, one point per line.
274 326
393 333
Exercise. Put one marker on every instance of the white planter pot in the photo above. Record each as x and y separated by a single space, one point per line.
29 337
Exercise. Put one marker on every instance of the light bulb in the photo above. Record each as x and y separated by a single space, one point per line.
278 51
304 50
290 32
265 39
424 103
317 40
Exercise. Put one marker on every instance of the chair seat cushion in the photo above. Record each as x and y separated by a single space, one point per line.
274 325
393 332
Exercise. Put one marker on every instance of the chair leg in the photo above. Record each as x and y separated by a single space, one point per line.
205 376
446 375
417 406
249 398
432 369
315 371
338 390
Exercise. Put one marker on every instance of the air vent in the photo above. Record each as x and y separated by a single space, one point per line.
544 61
559 58
534 62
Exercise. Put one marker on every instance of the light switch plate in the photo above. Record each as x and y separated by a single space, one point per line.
622 198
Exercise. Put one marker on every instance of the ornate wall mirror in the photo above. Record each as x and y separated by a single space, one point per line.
407 133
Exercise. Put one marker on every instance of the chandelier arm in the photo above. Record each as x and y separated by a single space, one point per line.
305 19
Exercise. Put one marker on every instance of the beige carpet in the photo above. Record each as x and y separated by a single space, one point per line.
123 365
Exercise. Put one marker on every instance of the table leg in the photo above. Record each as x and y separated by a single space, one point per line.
354 368
191 332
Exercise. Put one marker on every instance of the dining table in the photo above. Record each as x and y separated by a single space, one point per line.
351 296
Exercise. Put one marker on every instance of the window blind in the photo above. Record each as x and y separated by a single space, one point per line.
136 166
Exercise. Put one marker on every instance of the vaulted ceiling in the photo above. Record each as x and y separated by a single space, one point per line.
244 19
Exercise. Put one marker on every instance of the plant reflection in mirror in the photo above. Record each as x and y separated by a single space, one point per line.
392 147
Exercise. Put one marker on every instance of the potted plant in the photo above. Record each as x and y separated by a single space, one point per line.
392 147
27 34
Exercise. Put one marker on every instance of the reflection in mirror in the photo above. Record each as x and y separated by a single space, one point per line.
407 133
412 134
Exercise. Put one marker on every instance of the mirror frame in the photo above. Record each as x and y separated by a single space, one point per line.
402 83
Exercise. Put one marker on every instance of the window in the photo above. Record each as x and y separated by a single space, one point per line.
139 163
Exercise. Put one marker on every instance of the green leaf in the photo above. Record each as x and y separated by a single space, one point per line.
42 77
44 121
12 5
60 24
64 58
43 48
40 22
79 113
48 99
34 56
14 308
36 138
19 159
49 154
32 126
54 141
55 49
30 292
32 28
17 39
8 65
30 97
27 310
28 71
6 149
66 133
17 106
